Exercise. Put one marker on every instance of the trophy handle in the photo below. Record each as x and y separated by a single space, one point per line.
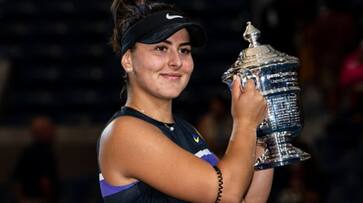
246 74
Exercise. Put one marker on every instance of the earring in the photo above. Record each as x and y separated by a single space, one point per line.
128 70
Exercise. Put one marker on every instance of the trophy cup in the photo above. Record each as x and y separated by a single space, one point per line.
275 75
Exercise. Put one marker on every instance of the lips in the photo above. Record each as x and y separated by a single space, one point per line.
171 76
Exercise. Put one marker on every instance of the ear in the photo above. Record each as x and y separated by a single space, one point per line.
126 61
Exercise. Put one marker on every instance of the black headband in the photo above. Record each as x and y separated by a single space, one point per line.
158 26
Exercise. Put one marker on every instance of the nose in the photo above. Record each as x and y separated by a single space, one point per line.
175 60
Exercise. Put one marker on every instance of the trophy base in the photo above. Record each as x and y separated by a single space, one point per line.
279 152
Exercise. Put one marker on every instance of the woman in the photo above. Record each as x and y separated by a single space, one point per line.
146 154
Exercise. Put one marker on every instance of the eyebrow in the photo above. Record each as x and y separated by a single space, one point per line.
182 44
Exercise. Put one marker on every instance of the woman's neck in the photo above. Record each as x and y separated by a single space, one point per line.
156 108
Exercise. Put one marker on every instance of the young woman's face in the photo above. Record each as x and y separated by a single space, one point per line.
163 69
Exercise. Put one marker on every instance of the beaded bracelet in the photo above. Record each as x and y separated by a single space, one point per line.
220 184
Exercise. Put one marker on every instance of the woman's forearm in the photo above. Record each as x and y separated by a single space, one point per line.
260 187
237 163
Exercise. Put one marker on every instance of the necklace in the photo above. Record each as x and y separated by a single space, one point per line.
169 126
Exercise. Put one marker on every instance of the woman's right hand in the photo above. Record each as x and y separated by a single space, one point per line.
249 107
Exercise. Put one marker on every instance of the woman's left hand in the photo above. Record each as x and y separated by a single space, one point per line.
260 149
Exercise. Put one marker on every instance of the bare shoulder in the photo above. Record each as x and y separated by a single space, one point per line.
122 127
127 132
119 145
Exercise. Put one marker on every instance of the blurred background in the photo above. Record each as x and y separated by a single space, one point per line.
60 83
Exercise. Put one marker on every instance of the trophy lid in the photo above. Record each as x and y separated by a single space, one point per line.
257 55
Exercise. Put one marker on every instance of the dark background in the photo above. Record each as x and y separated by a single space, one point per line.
55 60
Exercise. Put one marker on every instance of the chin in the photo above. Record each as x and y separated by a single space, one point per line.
170 95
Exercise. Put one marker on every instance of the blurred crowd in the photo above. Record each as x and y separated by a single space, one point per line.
327 37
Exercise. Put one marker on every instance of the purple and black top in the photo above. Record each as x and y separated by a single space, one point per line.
181 133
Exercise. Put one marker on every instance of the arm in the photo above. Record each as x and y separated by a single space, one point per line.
260 187
132 149
245 120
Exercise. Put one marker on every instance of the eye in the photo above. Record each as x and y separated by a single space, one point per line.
161 48
185 51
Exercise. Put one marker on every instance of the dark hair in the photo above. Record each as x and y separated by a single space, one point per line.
127 12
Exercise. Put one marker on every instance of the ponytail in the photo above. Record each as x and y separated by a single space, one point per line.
123 12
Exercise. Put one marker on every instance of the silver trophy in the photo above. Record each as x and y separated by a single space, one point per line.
276 77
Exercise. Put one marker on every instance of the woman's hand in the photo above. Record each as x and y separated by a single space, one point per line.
260 149
248 105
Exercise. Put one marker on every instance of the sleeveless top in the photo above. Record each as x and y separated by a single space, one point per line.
181 133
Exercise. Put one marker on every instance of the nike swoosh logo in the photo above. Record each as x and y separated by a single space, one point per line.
196 139
170 17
